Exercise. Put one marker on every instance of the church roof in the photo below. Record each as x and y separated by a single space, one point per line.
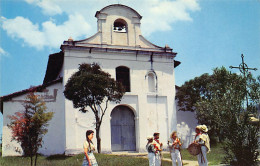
53 70
118 5
38 88
54 67
176 63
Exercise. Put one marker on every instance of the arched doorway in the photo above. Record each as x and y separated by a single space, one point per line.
123 129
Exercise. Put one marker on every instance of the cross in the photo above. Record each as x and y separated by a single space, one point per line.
243 67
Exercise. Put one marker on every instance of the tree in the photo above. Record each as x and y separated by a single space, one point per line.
220 101
90 87
29 127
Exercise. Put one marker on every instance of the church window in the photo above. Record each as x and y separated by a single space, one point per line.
123 76
120 25
151 82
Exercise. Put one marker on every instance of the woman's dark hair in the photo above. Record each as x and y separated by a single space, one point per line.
88 132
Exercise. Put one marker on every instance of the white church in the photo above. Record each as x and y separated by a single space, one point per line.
146 71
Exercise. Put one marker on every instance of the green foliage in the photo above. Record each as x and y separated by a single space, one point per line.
223 101
241 144
90 87
29 127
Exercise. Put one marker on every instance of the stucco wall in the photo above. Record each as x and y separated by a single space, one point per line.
154 111
54 140
186 124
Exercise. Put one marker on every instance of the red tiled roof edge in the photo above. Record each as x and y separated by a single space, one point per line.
38 88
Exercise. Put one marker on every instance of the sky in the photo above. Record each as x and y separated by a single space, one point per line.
205 33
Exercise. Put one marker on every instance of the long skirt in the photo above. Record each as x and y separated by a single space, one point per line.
176 155
92 160
202 157
151 158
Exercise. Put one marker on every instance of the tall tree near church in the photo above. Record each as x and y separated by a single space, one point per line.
29 127
91 88
220 102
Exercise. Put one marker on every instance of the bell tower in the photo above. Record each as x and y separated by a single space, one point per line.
119 25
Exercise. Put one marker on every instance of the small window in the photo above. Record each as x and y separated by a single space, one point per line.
120 26
123 76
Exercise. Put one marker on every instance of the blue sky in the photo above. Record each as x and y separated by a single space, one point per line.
205 34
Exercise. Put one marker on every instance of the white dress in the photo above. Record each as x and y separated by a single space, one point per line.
91 149
203 140
151 154
175 152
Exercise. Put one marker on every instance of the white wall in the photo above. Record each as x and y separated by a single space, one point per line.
186 124
154 110
54 140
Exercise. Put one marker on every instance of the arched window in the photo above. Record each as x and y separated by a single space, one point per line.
151 82
120 25
123 76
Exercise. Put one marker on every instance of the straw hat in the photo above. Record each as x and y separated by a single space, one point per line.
199 127
204 128
149 137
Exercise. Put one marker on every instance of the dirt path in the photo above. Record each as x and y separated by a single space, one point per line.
185 162
144 155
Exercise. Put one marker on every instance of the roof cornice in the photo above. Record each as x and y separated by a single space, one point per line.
134 50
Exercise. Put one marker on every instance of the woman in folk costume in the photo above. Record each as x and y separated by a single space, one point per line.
174 144
196 140
151 151
205 146
89 158
158 146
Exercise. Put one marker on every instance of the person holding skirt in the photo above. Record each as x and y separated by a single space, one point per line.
202 139
89 148
205 146
174 145
151 151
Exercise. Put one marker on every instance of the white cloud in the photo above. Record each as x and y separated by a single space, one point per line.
3 52
22 28
49 7
158 15
48 34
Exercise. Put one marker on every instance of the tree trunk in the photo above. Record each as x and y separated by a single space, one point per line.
98 138
35 161
31 157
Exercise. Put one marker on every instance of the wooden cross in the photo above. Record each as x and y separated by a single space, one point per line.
243 67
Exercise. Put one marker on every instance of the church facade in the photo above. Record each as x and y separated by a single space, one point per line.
145 70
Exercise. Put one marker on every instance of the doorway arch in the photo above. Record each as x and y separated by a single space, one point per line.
123 129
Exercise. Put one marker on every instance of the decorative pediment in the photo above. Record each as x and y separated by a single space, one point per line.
118 27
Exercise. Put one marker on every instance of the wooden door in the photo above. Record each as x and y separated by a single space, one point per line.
123 129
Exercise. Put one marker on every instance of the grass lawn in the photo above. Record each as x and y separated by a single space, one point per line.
61 160
215 156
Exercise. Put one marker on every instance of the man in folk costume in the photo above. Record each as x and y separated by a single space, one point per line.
174 144
151 151
205 146
158 146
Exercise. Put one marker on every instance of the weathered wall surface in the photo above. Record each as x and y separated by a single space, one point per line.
54 140
154 111
186 124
